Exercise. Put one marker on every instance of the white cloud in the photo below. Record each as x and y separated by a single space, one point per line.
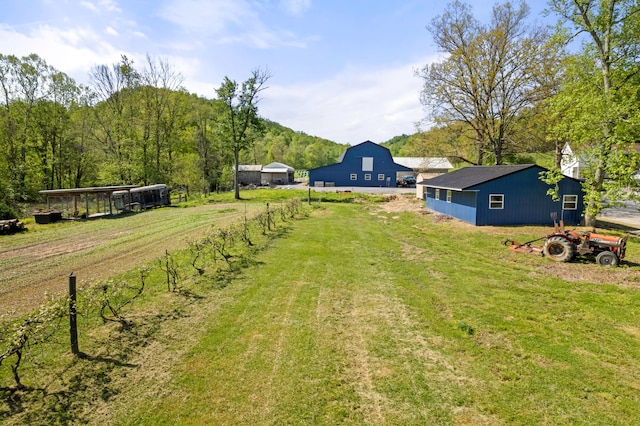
295 7
357 105
111 31
89 5
228 22
73 51
208 17
106 5
109 5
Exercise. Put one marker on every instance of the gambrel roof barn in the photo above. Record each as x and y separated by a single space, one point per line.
366 164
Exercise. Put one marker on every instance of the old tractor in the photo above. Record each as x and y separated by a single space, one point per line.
563 246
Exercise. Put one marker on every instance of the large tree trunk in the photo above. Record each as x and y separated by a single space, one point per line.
236 156
593 206
558 156
480 143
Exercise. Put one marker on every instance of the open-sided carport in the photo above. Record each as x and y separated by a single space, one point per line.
77 197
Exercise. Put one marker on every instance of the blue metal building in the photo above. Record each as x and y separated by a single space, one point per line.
365 164
503 195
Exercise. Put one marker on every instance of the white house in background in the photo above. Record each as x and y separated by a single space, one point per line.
572 164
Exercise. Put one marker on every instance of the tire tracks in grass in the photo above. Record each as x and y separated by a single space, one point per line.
394 359
366 320
283 325
385 345
322 339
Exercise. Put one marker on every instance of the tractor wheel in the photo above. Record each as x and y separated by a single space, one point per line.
607 258
559 249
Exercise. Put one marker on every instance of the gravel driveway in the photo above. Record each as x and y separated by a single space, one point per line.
628 214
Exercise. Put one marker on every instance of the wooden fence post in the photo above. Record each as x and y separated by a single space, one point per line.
73 324
268 218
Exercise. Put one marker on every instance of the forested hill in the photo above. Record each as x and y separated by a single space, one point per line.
130 126
400 146
293 148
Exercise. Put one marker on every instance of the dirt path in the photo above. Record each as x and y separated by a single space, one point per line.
39 262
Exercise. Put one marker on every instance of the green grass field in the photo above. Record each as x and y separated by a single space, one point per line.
354 315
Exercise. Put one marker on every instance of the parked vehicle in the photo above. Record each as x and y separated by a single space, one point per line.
408 180
143 197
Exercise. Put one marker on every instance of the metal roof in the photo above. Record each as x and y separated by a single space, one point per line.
249 167
277 168
467 177
89 190
424 163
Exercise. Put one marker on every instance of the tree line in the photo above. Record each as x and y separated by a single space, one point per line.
500 89
510 87
132 125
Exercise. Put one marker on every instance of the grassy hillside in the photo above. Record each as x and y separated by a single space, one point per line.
362 314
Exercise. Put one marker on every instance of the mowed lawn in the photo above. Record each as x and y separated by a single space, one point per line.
357 316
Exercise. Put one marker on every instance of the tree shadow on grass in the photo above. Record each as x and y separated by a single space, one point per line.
62 401
603 224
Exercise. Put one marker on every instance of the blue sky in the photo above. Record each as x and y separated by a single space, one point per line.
341 69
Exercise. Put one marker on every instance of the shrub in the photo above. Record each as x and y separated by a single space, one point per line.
7 212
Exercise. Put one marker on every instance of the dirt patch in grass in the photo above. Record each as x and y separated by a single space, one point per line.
582 271
402 203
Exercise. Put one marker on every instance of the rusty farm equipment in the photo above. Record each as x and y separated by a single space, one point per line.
563 246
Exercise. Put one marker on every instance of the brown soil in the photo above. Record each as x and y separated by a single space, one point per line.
403 203
37 268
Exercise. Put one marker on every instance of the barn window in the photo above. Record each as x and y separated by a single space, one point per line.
367 164
367 176
496 201
380 176
569 202
437 193
354 176
448 195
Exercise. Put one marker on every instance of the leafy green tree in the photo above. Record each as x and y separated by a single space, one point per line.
294 154
490 74
115 117
454 141
599 100
134 126
24 83
238 119
84 157
199 135
52 130
160 114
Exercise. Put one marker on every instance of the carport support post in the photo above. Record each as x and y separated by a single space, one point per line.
73 324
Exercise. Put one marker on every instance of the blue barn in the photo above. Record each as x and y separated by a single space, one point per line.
503 195
365 164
